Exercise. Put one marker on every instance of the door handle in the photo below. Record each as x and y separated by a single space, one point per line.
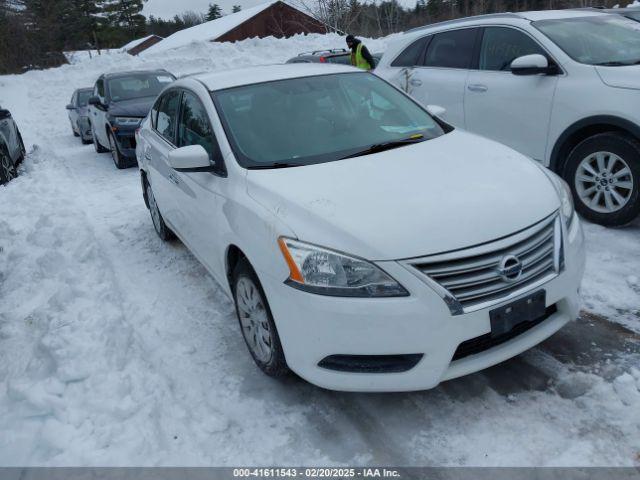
415 82
477 87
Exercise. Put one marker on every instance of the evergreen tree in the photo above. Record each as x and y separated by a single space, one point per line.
214 12
125 15
236 9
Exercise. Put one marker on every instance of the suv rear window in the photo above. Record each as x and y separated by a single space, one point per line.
452 49
410 56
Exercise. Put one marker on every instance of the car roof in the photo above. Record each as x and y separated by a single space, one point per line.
268 73
527 16
133 72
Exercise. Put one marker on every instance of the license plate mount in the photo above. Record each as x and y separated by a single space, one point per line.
527 309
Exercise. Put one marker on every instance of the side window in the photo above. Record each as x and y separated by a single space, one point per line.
410 56
452 49
194 127
154 112
100 88
73 99
168 115
500 46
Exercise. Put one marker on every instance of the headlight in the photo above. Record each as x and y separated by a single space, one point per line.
327 272
564 194
128 121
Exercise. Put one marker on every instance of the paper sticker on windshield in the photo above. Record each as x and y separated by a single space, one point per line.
165 79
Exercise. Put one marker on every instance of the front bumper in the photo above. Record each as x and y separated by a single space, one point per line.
313 327
126 140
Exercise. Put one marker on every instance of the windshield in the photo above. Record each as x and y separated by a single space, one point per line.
598 40
138 86
318 119
83 97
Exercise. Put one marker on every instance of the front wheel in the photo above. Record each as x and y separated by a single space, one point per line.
118 161
604 174
256 322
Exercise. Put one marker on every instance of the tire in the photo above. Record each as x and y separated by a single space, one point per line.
118 161
7 167
96 143
254 317
604 174
160 227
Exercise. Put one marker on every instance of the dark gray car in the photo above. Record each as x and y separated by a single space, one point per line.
12 149
119 103
79 114
336 55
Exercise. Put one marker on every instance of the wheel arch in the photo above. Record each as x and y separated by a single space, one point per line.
232 257
584 129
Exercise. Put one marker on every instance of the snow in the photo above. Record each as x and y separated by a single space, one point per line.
209 31
119 349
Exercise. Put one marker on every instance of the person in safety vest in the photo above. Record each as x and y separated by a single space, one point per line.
360 56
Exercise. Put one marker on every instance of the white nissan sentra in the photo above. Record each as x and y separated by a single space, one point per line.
367 245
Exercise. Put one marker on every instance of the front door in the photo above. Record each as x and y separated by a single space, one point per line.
200 199
511 109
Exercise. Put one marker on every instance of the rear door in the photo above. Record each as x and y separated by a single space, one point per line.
441 75
511 109
159 141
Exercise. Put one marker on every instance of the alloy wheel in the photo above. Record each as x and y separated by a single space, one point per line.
604 182
114 150
254 319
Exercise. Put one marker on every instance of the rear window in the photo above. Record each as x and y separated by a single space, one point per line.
452 49
410 56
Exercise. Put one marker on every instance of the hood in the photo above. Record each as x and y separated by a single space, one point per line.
452 192
136 107
621 77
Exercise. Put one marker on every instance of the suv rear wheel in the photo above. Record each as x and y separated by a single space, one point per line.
604 174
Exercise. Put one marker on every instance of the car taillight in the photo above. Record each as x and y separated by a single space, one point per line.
323 60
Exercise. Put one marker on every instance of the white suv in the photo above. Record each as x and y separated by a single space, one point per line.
367 245
562 87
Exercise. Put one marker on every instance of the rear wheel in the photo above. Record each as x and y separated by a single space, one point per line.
161 228
604 174
96 143
256 322
7 168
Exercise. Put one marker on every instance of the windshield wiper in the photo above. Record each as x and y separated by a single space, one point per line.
381 147
271 166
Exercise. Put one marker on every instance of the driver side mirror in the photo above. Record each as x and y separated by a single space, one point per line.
193 158
436 110
534 64
95 100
